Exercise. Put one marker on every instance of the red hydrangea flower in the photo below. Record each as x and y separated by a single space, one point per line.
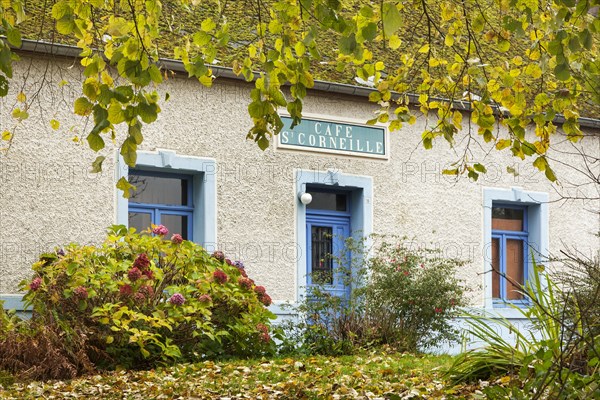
146 290
134 274
35 283
219 255
265 337
160 230
81 292
176 238
438 310
265 299
148 274
205 298
220 276
229 262
260 290
177 299
245 283
263 328
125 290
141 262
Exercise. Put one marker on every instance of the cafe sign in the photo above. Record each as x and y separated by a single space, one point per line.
336 137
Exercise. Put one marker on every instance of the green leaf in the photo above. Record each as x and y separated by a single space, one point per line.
263 142
392 20
14 37
348 44
129 151
54 124
135 132
95 141
562 71
124 185
97 164
369 32
480 168
117 26
503 46
148 112
3 86
503 144
201 38
550 174
585 37
83 106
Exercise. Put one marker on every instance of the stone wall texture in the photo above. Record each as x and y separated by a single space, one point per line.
48 197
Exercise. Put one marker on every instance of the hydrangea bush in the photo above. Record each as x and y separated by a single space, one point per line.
139 299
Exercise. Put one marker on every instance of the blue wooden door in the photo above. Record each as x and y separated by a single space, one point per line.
326 235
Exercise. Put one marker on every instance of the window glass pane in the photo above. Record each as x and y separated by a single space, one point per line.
159 190
514 269
495 268
328 201
175 224
321 262
507 219
139 221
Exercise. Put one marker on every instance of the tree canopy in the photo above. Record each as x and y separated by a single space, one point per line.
528 66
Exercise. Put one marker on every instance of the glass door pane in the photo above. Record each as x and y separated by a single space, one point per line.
496 268
321 260
515 269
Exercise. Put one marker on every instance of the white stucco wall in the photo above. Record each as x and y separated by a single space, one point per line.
48 198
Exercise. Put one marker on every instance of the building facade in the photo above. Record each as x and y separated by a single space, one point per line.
202 179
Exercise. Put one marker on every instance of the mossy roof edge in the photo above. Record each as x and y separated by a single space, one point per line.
64 50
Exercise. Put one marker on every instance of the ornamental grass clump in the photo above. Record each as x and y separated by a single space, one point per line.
139 300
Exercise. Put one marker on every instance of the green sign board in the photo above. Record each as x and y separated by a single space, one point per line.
334 137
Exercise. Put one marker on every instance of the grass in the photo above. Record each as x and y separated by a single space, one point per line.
373 375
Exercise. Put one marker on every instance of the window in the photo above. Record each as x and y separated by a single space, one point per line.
515 224
509 252
161 199
178 191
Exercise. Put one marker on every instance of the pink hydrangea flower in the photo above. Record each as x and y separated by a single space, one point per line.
177 299
134 274
160 230
81 292
141 262
220 276
205 298
35 283
219 255
176 238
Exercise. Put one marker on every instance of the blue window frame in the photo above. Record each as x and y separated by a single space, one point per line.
510 237
162 199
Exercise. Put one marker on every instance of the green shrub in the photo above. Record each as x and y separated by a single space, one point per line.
412 296
401 297
140 299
